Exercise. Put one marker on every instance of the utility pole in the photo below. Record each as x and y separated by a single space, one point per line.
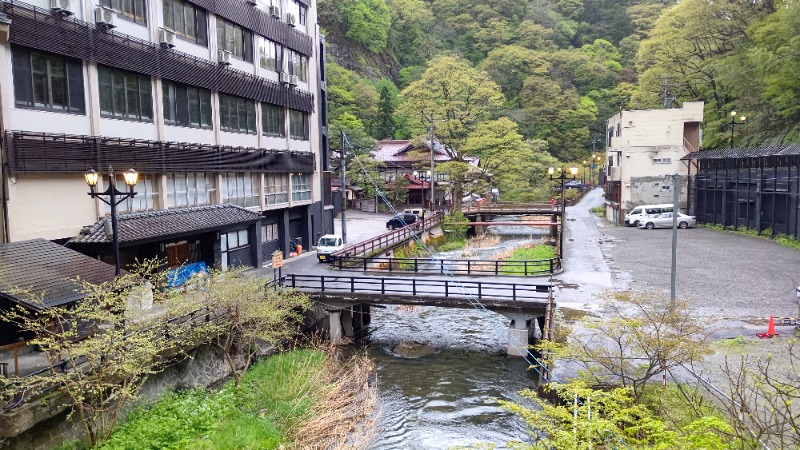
676 196
344 188
432 180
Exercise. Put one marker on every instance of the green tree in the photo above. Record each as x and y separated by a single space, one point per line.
583 418
644 336
250 316
365 21
386 123
101 350
409 33
510 65
458 98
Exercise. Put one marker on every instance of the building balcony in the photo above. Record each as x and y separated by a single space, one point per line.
615 173
30 152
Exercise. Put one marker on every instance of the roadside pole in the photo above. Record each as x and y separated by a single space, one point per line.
344 189
676 195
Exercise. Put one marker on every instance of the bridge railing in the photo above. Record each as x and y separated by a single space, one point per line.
451 266
420 287
511 208
387 240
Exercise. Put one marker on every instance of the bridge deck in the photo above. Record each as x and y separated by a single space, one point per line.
425 291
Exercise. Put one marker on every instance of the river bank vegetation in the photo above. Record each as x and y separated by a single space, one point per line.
739 401
304 398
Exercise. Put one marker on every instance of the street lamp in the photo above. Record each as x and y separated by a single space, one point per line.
733 124
562 177
583 175
115 197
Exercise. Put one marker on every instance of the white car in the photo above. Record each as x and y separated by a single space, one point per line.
665 221
328 245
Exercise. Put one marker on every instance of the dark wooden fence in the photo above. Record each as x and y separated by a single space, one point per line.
449 266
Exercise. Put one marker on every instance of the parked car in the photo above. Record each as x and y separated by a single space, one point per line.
418 211
574 184
401 220
328 245
665 221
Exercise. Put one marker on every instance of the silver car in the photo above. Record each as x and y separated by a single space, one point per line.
665 221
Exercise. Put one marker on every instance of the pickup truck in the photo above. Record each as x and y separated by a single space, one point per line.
327 246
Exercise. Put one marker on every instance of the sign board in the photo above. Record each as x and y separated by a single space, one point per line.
593 165
277 259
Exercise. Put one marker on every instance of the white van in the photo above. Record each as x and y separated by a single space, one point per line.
328 245
418 211
636 215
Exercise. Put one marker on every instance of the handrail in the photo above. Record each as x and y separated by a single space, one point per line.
541 208
387 240
454 266
422 287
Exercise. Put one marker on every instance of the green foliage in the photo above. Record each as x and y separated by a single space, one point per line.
586 418
275 396
454 225
114 347
645 335
598 210
365 21
253 316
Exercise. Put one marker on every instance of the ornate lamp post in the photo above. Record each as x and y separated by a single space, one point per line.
562 177
732 124
115 197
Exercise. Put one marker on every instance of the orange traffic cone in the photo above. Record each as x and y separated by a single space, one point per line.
770 330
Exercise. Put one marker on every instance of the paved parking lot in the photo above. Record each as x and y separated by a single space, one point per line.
724 275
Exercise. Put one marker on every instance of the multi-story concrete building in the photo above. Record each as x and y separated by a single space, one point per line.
643 148
219 105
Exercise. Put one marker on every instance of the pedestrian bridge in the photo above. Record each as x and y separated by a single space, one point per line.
349 298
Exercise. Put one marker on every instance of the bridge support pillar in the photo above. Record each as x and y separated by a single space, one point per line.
519 333
335 329
347 322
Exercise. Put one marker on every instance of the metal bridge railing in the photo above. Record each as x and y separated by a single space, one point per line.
421 287
390 239
449 266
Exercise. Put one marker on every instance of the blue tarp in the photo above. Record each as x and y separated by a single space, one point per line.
180 275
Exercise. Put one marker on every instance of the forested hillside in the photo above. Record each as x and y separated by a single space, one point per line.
551 73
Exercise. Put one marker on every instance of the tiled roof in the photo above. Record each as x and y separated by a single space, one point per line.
166 223
755 152
38 268
390 150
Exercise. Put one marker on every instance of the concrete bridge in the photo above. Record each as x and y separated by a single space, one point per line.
529 306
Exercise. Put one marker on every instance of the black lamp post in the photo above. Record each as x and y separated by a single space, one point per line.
115 197
732 124
562 177
583 174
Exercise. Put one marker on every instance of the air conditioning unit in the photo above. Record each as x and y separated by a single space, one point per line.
284 77
224 58
274 11
105 18
166 38
293 80
61 7
290 19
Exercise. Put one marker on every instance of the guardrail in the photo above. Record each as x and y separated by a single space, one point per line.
422 287
509 208
454 266
387 240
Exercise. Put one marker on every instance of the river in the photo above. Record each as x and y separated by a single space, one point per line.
448 398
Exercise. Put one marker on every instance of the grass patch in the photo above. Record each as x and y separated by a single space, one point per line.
781 239
277 398
598 210
541 252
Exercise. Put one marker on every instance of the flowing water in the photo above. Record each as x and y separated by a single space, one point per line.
448 398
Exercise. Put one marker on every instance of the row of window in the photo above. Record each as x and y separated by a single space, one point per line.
50 82
191 23
198 189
